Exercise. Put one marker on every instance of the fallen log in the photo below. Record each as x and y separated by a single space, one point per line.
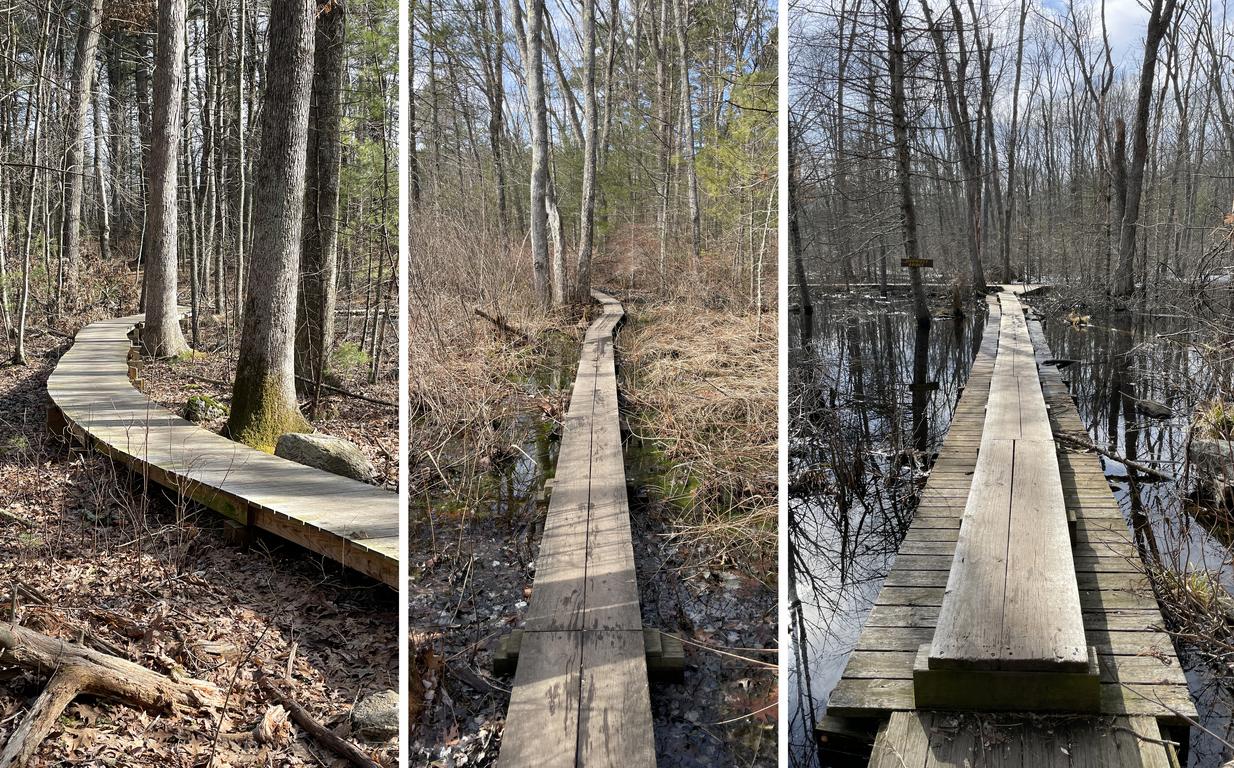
77 670
327 738
501 323
1137 466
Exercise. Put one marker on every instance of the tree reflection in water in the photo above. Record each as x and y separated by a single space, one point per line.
865 422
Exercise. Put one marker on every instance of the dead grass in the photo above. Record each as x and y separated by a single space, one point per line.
702 384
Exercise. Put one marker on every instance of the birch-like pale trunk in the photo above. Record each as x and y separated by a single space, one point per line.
682 9
582 273
533 63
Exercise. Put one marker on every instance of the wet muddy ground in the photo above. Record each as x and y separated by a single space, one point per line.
472 567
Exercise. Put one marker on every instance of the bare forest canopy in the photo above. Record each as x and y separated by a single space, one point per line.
658 152
1013 139
116 164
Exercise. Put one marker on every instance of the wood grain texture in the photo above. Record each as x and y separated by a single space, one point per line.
1140 673
584 621
347 521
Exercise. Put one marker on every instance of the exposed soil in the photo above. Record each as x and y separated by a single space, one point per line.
157 581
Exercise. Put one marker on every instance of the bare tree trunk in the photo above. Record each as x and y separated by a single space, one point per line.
1012 139
40 88
318 267
264 396
533 63
101 179
899 117
89 20
682 8
582 275
957 105
794 226
557 245
161 336
1162 11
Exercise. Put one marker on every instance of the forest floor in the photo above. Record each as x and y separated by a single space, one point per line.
91 557
373 427
699 390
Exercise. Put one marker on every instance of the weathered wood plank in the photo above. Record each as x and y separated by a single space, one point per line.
350 522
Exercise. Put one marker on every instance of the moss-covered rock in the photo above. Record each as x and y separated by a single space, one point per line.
201 408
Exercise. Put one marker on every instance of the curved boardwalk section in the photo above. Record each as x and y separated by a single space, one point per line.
92 398
1141 684
580 695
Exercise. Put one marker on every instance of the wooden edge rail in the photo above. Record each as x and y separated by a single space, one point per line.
94 402
580 694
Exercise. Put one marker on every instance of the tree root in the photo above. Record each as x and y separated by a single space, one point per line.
79 670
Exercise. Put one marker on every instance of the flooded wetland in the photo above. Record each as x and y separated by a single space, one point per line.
871 396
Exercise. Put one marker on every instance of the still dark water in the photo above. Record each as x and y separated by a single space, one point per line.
866 419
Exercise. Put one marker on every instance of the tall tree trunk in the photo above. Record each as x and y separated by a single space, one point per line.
318 263
1160 14
899 119
413 157
582 275
104 215
264 396
118 137
533 63
794 227
954 85
40 89
161 336
1013 136
89 20
682 8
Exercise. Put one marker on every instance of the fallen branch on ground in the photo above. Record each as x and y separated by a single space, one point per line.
336 744
503 325
79 670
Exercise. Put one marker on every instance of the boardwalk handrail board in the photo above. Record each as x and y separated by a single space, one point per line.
350 522
580 695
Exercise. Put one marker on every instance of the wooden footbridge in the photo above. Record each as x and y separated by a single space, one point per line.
94 401
1017 589
580 694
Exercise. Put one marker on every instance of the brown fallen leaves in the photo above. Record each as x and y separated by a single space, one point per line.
164 591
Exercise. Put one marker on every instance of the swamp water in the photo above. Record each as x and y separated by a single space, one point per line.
865 421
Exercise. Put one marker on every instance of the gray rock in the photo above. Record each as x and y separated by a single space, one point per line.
1212 457
203 408
328 453
1153 409
375 717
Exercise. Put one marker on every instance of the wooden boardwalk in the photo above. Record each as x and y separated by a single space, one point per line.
580 695
93 400
1141 679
